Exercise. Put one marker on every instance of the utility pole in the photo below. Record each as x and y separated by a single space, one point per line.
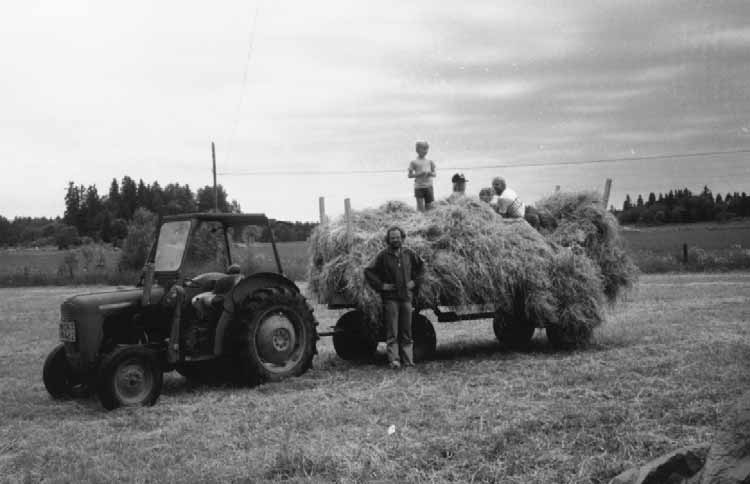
216 191
607 188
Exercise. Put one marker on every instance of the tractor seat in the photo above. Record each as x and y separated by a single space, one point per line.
212 300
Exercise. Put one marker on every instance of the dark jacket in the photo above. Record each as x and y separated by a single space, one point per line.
397 268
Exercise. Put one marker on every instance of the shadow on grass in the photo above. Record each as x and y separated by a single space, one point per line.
485 349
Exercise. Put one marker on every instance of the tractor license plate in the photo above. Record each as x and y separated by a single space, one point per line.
68 331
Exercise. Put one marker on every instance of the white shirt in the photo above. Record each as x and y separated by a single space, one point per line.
509 205
423 170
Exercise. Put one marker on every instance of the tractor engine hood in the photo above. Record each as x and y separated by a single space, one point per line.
90 310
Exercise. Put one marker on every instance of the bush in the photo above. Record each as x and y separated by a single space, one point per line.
137 244
67 236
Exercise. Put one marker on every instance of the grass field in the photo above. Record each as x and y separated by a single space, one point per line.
708 236
665 366
711 246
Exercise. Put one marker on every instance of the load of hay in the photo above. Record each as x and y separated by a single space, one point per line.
559 278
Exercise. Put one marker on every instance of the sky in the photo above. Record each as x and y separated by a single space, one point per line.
327 98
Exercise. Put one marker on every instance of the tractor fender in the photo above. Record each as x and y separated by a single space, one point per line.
250 284
241 291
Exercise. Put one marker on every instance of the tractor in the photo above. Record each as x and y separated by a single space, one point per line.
193 311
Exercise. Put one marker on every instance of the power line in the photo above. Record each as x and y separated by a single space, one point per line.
251 44
502 165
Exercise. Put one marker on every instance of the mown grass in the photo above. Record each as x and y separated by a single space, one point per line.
664 368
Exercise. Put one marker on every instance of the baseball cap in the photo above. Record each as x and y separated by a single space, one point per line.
459 177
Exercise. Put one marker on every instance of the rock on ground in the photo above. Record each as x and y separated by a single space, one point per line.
674 468
728 460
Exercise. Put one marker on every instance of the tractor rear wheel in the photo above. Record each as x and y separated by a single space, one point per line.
512 333
129 376
423 337
353 338
278 335
58 376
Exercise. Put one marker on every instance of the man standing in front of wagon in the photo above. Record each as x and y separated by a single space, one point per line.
396 274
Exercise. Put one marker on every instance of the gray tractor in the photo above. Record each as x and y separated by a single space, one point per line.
192 311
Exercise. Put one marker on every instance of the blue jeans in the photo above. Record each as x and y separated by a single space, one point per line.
397 319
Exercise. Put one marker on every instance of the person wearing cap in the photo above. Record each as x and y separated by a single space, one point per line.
396 273
509 205
423 171
459 187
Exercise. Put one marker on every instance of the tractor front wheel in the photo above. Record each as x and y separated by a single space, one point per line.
129 376
353 337
58 376
423 337
278 335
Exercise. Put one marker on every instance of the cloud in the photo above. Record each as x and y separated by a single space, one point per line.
101 89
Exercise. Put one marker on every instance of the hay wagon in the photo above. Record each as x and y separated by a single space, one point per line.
521 278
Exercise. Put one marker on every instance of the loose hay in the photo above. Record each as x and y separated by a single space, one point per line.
475 257
588 228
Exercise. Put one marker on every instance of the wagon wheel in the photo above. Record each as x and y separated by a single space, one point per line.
423 336
354 338
562 338
513 333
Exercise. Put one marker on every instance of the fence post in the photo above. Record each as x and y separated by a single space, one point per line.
322 207
684 254
607 188
348 215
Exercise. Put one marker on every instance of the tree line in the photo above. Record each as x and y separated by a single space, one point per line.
683 206
91 217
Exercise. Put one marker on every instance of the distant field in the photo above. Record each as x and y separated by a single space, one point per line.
87 264
98 263
706 236
293 257
665 368
711 247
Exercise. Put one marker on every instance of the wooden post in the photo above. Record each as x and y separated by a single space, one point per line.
607 188
322 207
348 215
216 192
684 253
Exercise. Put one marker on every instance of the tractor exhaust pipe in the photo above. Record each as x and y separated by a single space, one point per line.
148 283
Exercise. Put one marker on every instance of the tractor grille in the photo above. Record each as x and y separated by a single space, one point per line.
66 312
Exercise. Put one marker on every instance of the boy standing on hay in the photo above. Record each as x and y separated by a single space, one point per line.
396 274
423 171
